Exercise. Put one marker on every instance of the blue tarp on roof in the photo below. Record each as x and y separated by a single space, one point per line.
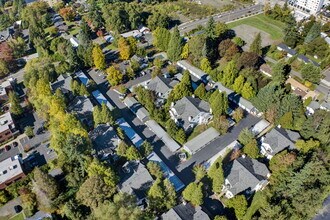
130 133
177 183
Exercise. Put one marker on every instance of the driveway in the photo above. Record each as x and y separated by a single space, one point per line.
7 210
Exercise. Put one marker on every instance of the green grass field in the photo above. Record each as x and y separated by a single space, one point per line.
264 23
19 216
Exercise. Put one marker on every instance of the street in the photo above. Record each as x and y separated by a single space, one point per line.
223 17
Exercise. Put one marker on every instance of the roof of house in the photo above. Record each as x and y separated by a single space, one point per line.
135 179
193 70
133 33
104 138
314 105
171 144
245 173
101 99
201 140
260 126
82 77
287 49
242 102
137 108
81 105
265 68
325 105
5 121
303 58
162 85
40 215
185 212
190 107
278 141
295 84
63 83
222 88
10 168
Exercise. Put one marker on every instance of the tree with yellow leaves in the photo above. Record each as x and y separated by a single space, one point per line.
98 57
114 76
124 47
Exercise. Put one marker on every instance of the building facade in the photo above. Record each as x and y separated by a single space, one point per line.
307 6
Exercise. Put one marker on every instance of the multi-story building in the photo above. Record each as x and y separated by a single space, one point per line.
307 6
7 127
10 171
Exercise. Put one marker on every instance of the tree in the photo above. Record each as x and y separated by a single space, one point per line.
121 149
219 103
29 201
221 123
224 46
4 70
67 13
280 72
317 126
114 76
200 92
158 19
210 29
146 149
216 175
245 136
171 127
308 145
238 84
199 172
175 45
96 168
46 183
132 153
248 59
313 33
161 38
239 204
231 52
255 46
18 46
311 73
291 34
123 207
124 48
247 91
238 114
15 106
238 41
29 131
251 149
93 192
161 195
181 136
84 34
181 89
185 51
155 169
98 57
286 121
230 73
206 65
193 193
72 210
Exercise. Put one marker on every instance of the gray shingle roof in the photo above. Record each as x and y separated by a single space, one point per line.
161 85
189 106
314 105
83 108
63 83
245 174
185 212
287 49
201 140
277 141
105 139
135 180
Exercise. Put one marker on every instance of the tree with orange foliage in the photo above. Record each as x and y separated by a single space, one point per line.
67 13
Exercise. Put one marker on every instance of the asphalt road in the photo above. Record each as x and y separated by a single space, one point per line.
222 17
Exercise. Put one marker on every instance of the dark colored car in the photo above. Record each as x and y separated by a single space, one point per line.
17 208
15 144
7 147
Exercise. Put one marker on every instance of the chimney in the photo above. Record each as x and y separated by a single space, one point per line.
210 110
193 95
172 104
243 156
190 118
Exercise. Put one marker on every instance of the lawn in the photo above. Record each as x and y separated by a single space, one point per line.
264 23
19 216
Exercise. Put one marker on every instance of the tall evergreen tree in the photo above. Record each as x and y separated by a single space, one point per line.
175 45
256 45
84 34
15 106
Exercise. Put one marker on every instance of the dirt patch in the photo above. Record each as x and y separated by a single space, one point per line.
248 33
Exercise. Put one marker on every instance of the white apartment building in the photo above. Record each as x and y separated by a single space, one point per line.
308 6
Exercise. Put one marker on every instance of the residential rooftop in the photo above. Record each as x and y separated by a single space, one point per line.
135 179
185 212
278 141
63 83
6 122
162 86
201 140
193 70
9 169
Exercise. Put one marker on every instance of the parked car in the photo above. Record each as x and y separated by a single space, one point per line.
7 147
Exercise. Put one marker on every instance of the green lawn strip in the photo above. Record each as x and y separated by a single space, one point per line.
264 23
19 216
